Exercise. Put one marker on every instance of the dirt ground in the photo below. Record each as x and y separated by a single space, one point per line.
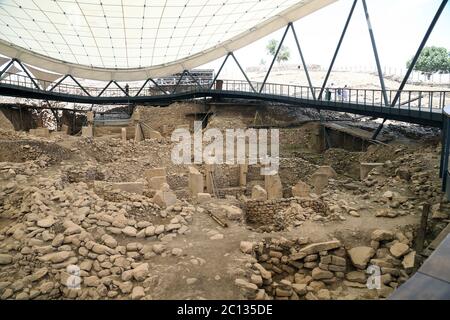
55 177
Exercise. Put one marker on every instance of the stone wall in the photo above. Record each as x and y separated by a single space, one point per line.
167 119
13 119
235 192
226 176
263 212
307 137
293 269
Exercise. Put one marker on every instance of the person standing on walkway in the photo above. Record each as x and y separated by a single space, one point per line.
345 93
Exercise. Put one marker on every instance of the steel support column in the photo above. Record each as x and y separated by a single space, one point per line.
220 69
413 62
443 147
446 155
375 52
275 57
303 62
242 70
337 48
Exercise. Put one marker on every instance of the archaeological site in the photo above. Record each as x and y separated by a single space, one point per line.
137 164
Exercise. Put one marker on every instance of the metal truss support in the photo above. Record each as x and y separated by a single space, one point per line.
58 83
107 86
118 86
413 62
74 80
178 82
242 70
337 48
6 68
375 52
193 78
27 73
220 70
275 57
145 83
303 62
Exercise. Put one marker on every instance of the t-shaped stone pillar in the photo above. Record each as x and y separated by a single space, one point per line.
273 186
196 184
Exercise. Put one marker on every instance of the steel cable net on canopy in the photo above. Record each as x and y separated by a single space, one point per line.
134 40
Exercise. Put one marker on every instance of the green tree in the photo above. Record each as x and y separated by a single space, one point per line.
284 53
432 59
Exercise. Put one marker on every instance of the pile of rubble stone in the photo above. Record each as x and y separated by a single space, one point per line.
296 269
58 224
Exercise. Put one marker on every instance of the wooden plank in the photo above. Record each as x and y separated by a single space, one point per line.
423 227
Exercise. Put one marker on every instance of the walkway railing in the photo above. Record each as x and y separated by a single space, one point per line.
420 100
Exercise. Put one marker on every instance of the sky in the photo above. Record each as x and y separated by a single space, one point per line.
398 26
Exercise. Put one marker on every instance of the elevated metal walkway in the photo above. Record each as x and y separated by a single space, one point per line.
419 107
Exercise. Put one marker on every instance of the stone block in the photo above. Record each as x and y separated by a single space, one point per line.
203 197
273 186
164 198
138 133
366 167
42 132
301 189
131 187
195 183
156 183
319 181
65 129
258 193
87 132
90 116
328 171
153 134
154 172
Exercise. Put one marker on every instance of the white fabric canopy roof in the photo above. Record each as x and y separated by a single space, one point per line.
45 79
137 39
10 71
